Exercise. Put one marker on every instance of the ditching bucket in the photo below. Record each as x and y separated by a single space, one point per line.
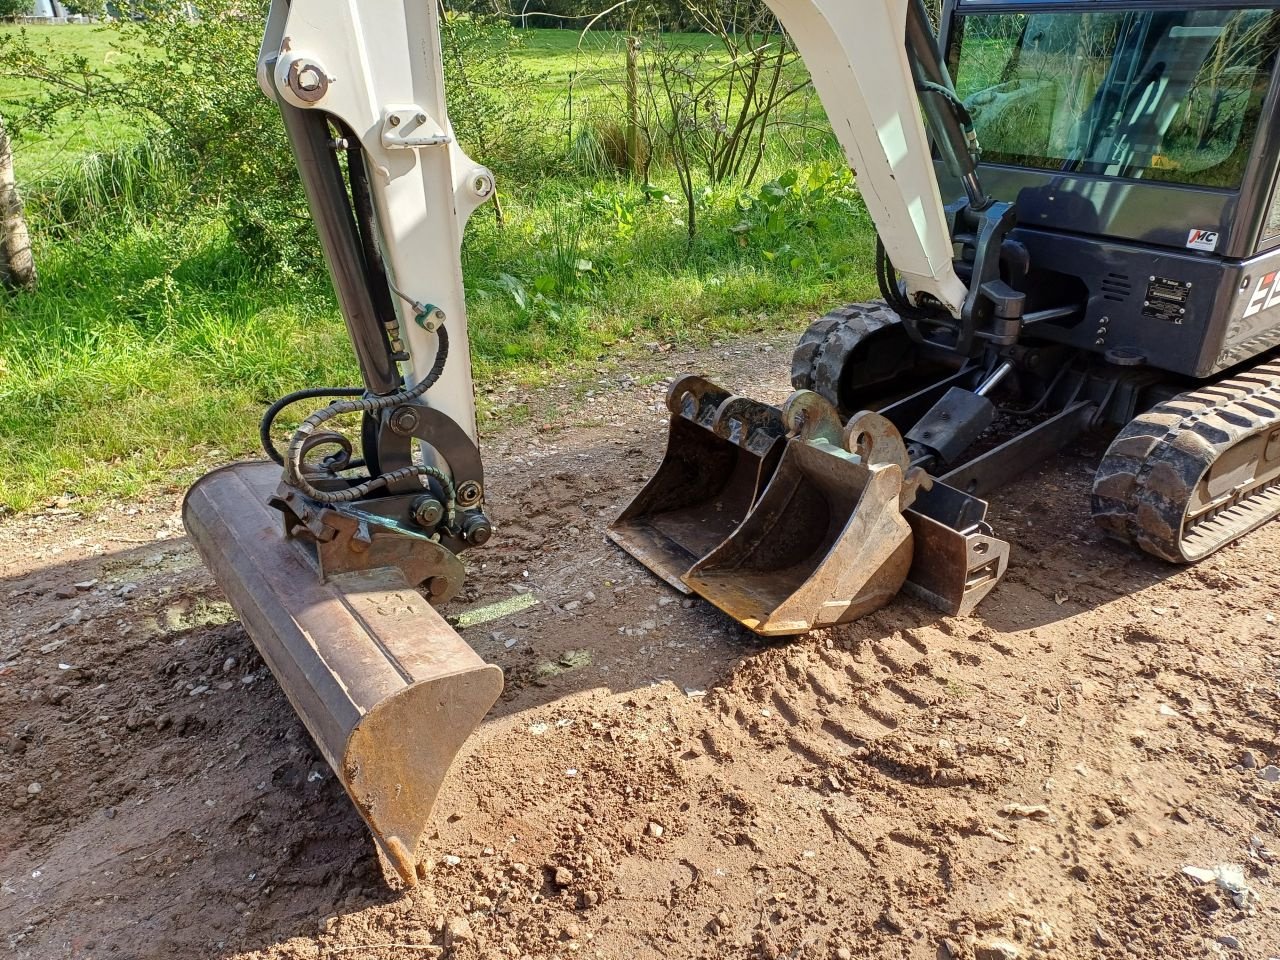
721 452
388 691
827 542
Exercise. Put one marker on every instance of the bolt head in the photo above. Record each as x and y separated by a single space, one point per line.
309 79
478 530
404 420
428 512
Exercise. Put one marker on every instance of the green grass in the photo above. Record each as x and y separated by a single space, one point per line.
152 346
38 156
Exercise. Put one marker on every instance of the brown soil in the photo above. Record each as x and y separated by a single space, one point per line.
1030 781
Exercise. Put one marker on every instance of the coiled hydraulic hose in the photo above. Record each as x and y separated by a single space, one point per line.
273 411
371 405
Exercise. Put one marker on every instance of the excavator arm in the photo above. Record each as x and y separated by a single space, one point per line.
332 560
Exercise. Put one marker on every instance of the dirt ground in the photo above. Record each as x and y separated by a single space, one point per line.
1031 781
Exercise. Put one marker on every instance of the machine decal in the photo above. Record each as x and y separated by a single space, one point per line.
1166 299
1265 297
1203 240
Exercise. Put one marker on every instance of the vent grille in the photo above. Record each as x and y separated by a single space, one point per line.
1116 287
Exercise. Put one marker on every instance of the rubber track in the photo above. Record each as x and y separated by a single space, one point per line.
1149 475
819 359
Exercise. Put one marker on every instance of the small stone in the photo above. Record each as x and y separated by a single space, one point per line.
86 585
229 664
589 597
196 691
589 899
571 931
162 721
655 830
997 950
1270 773
33 788
1209 902
57 694
564 877
844 953
457 931
66 592
949 949
451 860
109 813
1249 760
1183 815
329 925
892 922
1230 942
1103 817
573 605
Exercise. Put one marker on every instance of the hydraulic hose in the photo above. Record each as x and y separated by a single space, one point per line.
371 405
273 411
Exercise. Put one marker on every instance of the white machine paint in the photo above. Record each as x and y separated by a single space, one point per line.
382 62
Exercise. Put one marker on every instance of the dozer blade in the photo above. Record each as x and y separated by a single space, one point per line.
721 452
388 691
827 542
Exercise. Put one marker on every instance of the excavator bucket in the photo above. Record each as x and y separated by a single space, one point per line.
386 688
721 452
827 541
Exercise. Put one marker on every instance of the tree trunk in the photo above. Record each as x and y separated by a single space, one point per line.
17 264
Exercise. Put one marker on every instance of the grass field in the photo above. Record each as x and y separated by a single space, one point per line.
152 345
43 155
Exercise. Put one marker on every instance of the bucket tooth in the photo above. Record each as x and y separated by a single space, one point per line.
721 452
827 541
386 688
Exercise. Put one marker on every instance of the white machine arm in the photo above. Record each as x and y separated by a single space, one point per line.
856 53
376 65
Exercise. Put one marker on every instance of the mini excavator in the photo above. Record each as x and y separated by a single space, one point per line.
1078 229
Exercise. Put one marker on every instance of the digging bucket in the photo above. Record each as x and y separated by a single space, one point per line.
721 451
388 691
827 541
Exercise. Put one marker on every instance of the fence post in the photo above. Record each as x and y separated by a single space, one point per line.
633 105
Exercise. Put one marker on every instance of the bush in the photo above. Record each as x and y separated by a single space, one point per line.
191 84
488 93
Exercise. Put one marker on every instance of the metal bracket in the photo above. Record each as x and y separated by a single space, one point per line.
410 127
